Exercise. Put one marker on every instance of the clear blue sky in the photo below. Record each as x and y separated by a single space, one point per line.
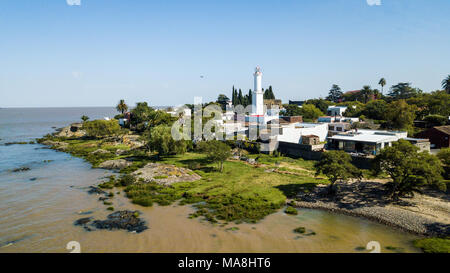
54 54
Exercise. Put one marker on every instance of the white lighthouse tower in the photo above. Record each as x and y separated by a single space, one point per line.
257 96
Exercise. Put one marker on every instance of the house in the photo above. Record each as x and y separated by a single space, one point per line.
336 110
364 141
338 127
294 132
439 136
421 143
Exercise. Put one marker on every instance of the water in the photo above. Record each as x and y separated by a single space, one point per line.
38 207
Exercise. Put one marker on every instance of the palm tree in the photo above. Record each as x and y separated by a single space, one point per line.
366 93
446 84
382 82
122 107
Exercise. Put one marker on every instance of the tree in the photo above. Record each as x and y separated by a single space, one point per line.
444 156
382 82
446 84
335 93
250 97
310 112
140 115
320 103
366 93
159 139
240 98
216 151
400 115
101 128
268 94
122 106
337 166
403 90
223 101
291 110
409 170
375 109
84 118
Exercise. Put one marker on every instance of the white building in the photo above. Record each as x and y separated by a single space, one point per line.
364 141
293 133
336 110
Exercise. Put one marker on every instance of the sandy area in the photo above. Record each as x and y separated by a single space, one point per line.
425 214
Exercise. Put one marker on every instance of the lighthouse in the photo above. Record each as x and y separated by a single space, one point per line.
257 96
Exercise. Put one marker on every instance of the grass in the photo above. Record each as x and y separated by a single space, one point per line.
241 193
433 245
291 211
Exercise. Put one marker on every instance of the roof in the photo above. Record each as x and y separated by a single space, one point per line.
365 138
444 129
352 92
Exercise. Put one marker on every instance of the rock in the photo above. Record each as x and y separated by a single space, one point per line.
57 145
122 220
165 174
120 152
82 221
251 161
115 164
73 130
21 169
33 179
95 190
100 151
133 141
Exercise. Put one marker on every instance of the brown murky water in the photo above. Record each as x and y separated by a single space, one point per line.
40 218
38 208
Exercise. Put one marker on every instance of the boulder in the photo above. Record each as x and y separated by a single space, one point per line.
115 164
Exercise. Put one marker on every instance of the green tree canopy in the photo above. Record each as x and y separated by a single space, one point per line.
159 139
102 128
400 115
403 90
335 93
320 103
217 151
291 110
337 166
310 112
382 82
446 84
409 170
375 110
122 106
222 100
84 118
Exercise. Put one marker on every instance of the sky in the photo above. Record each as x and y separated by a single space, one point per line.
65 53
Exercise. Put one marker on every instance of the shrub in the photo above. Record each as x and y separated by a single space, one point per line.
101 128
433 245
300 230
291 211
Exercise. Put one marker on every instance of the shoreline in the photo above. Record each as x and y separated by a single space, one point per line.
397 216
363 201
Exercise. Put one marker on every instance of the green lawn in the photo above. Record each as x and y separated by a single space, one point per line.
242 192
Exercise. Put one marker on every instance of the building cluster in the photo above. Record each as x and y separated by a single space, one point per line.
331 132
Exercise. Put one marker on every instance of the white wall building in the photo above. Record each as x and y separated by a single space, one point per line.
336 110
260 115
293 133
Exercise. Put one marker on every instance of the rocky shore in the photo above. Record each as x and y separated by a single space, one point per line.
424 214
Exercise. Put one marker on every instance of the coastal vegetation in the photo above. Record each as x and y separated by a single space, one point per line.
337 166
433 245
409 169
